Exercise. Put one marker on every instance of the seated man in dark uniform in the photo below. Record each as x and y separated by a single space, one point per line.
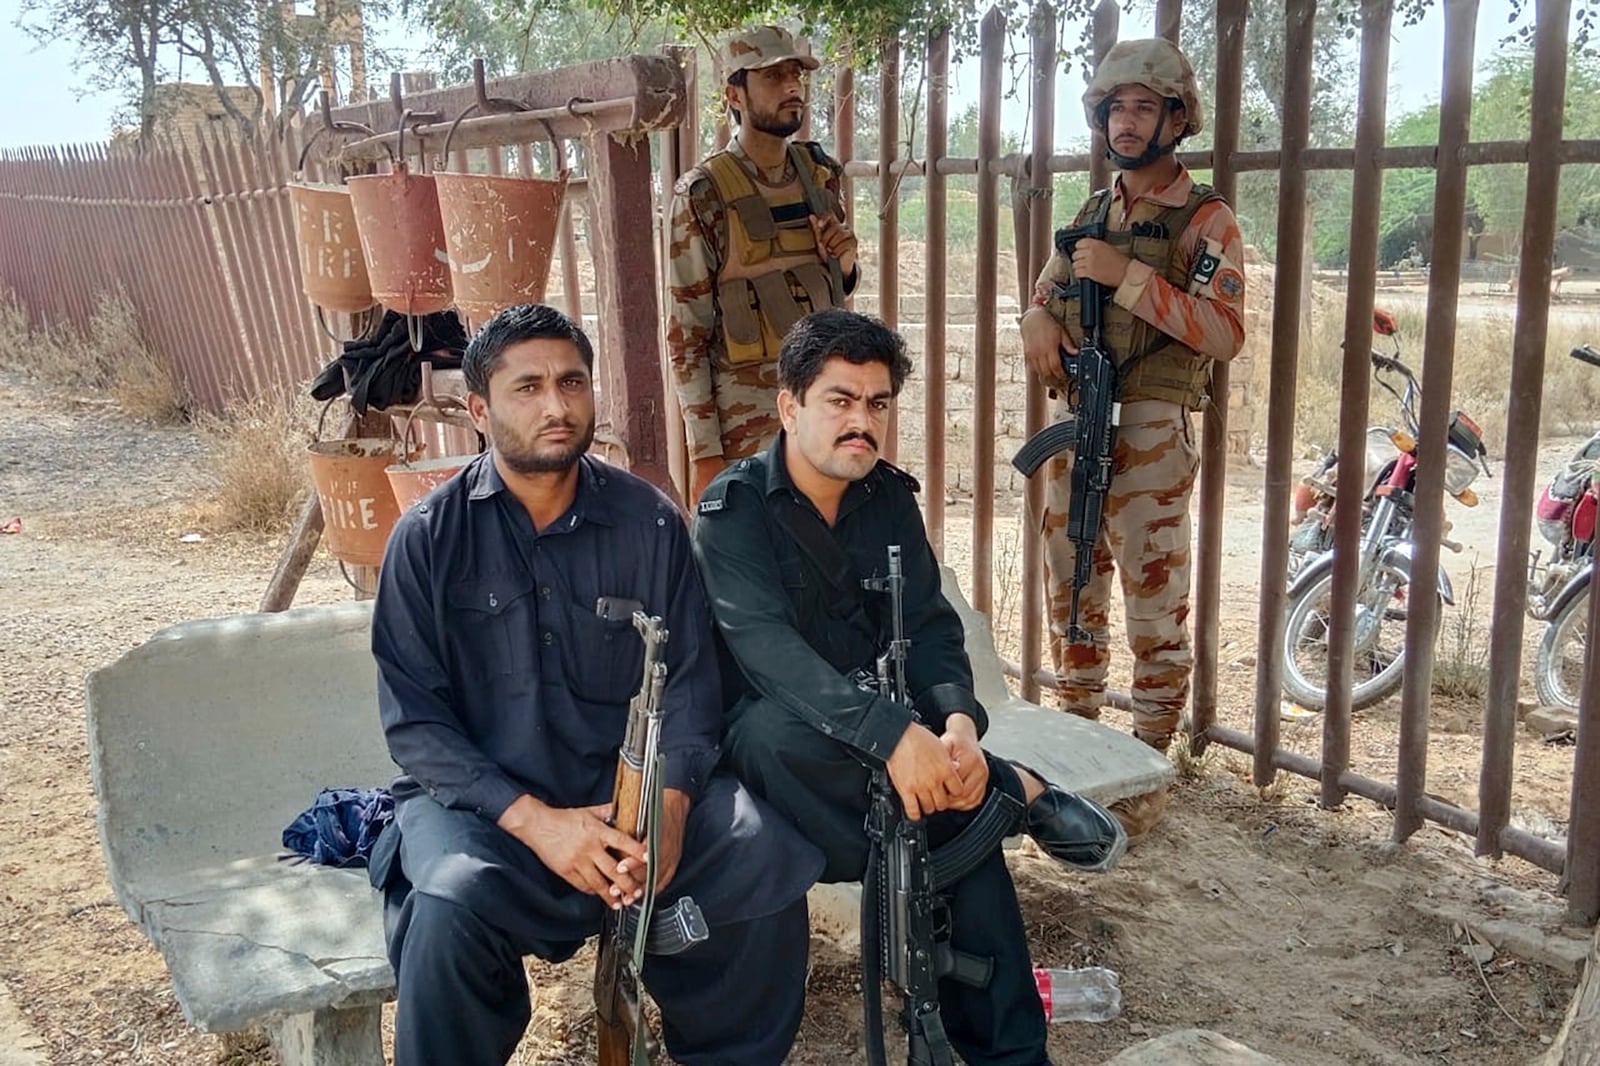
503 697
783 540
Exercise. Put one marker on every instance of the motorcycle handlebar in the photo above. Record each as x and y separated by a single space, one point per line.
1587 354
1386 362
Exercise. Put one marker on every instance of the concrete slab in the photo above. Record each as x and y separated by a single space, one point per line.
1079 755
205 742
1191 1047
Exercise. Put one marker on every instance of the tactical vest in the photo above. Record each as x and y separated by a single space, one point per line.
1154 365
770 247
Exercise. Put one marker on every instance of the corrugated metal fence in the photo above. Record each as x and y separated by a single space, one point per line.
201 243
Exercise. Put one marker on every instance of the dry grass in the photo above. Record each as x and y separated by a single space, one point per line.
258 464
1481 378
112 357
1461 663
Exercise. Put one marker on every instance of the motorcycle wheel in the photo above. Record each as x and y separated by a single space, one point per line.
1380 639
1558 669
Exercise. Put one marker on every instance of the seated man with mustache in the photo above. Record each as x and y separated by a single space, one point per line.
783 540
504 697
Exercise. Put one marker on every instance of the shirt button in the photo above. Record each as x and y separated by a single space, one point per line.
547 639
661 521
544 592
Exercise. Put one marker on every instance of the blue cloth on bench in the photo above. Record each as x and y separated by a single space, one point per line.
341 826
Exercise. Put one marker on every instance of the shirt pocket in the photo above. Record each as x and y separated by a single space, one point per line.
603 661
492 623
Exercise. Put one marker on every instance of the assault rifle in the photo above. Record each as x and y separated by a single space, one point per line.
905 922
628 934
1093 433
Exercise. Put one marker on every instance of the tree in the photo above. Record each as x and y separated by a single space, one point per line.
135 45
116 38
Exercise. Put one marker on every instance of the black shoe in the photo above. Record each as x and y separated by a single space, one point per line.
1074 829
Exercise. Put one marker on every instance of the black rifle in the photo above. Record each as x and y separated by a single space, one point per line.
905 922
1092 434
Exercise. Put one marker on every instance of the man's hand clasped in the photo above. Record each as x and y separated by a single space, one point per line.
933 773
581 846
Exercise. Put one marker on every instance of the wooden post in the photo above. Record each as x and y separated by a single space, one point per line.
296 557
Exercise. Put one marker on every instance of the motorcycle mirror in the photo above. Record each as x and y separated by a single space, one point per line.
1383 323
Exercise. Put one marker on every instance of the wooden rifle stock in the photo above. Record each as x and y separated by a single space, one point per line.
616 983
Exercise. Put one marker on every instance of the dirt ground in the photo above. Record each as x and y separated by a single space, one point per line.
1297 931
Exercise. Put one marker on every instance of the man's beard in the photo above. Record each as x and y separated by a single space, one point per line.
526 456
773 124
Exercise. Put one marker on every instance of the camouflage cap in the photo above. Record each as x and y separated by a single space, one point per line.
762 46
1158 65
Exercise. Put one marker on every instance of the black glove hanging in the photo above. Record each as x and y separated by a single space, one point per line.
383 370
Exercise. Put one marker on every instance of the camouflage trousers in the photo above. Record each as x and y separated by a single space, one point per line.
747 408
1145 539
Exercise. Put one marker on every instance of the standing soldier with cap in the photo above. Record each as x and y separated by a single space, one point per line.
759 239
1172 264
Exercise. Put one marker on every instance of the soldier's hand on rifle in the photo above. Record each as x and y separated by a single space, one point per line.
702 474
836 239
922 772
960 739
1098 261
580 847
669 846
1042 342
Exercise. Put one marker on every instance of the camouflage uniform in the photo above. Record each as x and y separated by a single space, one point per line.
1179 307
729 399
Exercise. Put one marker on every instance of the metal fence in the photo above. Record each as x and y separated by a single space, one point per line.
201 250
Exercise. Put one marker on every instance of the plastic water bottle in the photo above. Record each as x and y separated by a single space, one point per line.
1087 995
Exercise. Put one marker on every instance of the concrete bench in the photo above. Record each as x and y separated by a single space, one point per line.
207 740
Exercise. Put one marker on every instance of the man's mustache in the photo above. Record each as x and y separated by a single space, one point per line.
858 435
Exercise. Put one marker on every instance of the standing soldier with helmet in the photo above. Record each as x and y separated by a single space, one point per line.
1171 265
759 239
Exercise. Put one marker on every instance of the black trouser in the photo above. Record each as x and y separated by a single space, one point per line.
819 785
465 901
734 1000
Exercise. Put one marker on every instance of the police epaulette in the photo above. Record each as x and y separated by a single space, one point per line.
906 476
715 498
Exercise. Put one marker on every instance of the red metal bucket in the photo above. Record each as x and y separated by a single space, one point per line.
500 234
402 237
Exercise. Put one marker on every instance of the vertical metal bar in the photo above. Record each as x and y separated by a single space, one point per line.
1299 17
227 323
1107 19
1583 831
1039 201
1214 435
571 280
1355 391
889 210
198 278
992 40
1438 366
622 241
1522 418
1169 19
844 139
934 284
680 147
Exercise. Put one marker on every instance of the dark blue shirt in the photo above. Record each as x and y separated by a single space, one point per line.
495 675
797 638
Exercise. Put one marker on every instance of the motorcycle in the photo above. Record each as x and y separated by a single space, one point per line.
1384 582
1558 590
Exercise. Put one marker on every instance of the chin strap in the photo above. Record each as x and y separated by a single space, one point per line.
1152 151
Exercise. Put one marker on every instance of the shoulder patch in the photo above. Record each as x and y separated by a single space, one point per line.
715 498
905 477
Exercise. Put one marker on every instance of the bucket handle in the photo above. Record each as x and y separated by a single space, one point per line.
402 438
331 126
498 105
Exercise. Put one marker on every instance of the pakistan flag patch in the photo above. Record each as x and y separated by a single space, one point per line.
1205 267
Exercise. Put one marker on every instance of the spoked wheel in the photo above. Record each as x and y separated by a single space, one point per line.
1380 639
1558 670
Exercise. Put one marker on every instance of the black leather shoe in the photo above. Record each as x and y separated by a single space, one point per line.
1074 829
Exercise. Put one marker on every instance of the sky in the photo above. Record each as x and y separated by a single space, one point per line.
52 104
